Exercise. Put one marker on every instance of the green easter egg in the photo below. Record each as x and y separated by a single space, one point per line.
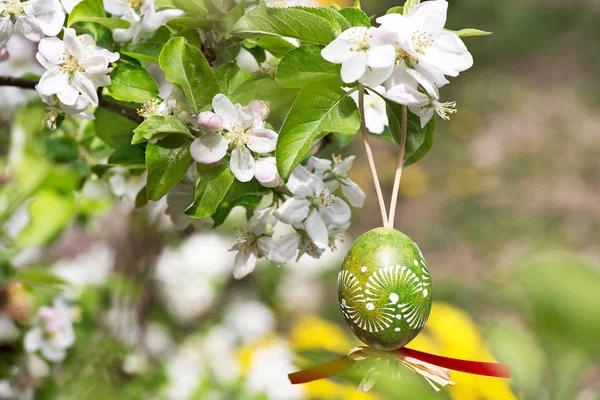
384 289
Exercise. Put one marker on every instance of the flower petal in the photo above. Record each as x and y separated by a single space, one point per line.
381 56
338 51
6 30
226 110
316 229
53 50
285 248
85 87
265 245
242 164
245 262
73 44
52 82
293 210
430 16
27 26
69 96
354 67
304 184
210 148
353 193
262 140
338 212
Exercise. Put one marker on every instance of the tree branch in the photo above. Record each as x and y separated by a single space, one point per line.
111 105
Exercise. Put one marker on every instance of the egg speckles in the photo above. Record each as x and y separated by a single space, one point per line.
384 289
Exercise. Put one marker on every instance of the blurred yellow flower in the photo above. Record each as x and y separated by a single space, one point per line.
451 332
310 332
414 181
313 333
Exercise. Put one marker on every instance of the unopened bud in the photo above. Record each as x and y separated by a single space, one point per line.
209 121
4 55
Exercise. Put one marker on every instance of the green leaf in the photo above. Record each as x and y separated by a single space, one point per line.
183 23
235 83
93 11
305 65
416 136
356 16
470 32
275 45
49 212
132 83
295 22
132 157
114 129
38 276
320 108
245 194
158 127
167 164
396 10
187 69
426 146
144 52
190 7
211 190
409 5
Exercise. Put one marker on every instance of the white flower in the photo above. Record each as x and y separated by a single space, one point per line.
298 243
313 206
141 16
425 45
335 176
79 110
254 242
53 332
375 113
31 19
75 67
404 89
244 131
360 49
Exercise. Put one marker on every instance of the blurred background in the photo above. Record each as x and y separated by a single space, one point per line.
505 208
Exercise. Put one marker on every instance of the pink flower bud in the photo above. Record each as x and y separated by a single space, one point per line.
209 121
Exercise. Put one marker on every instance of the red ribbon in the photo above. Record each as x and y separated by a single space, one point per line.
341 364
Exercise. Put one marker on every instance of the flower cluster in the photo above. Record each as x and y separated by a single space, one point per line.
313 211
243 131
142 18
411 55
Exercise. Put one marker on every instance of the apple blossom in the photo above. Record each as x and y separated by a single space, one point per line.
32 19
244 131
52 333
425 45
75 67
335 175
79 110
142 17
312 205
254 242
360 49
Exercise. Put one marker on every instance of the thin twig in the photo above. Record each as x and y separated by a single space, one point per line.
398 176
116 107
365 136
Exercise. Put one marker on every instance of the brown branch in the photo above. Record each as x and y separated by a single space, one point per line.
18 82
111 105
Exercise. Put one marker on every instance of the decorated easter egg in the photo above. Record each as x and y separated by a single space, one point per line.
384 289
